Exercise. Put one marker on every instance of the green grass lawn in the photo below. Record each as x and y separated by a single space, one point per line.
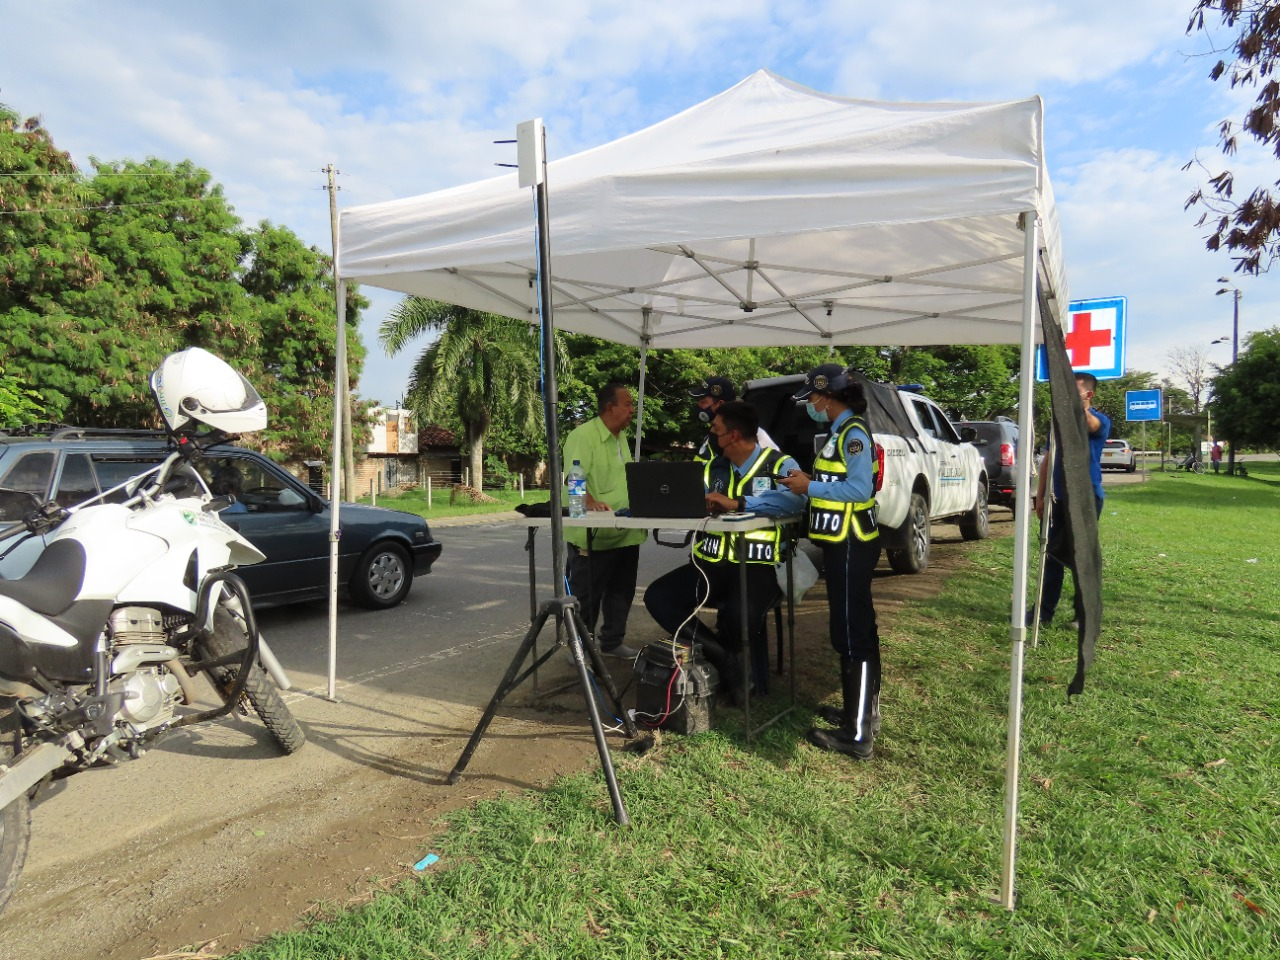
1149 804
414 500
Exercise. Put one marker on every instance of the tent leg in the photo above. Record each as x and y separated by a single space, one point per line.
644 360
335 489
1022 540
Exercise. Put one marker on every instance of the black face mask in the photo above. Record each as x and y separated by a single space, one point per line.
705 416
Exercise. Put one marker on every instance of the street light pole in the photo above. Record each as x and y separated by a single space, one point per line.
1235 351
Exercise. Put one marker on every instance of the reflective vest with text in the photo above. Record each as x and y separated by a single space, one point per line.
760 546
831 520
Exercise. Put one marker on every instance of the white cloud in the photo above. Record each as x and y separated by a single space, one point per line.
995 49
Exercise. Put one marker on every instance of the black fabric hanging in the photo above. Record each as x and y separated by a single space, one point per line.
1075 545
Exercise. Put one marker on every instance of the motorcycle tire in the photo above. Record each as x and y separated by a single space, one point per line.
228 637
15 819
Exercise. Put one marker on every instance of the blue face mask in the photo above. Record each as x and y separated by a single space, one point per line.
817 416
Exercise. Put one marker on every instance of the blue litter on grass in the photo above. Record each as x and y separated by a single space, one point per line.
426 861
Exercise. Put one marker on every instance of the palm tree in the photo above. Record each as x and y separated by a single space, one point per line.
481 366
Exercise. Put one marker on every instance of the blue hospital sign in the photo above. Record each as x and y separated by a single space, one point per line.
1143 405
1094 337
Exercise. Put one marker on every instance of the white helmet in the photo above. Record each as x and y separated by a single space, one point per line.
193 386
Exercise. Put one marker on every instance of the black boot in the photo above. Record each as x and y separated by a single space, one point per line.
856 736
836 716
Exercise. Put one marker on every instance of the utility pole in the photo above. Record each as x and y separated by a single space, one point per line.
1235 351
342 389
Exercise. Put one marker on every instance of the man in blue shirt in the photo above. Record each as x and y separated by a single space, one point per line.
745 476
1099 425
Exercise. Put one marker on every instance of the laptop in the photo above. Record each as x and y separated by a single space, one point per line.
665 489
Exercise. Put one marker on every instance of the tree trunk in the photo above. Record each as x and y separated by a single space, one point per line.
475 442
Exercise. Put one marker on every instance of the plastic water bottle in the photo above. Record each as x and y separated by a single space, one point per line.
577 484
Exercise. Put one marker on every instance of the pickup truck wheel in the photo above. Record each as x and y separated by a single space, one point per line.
915 557
976 525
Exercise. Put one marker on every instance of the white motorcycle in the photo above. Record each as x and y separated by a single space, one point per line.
101 641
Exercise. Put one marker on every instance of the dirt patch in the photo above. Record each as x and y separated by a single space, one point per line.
308 840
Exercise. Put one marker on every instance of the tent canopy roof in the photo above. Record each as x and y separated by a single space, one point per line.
770 214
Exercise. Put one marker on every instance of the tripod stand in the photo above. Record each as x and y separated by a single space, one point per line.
531 142
581 645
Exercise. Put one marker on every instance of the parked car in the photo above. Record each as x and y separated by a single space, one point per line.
997 442
380 551
930 475
1118 454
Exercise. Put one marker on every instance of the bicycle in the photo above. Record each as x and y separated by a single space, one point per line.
1185 463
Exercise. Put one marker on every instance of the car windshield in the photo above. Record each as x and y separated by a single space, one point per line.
1116 444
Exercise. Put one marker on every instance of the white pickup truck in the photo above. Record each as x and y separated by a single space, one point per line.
930 474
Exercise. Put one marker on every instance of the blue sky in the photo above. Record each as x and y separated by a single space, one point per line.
407 97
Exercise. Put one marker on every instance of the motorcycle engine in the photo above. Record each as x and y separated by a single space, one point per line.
139 653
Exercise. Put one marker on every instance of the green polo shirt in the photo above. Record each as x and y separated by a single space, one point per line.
602 456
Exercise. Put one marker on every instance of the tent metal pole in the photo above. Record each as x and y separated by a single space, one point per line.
335 481
647 314
1021 544
551 397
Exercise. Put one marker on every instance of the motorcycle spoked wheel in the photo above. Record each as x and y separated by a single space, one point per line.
15 819
228 637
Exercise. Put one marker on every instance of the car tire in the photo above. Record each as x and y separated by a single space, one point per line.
915 556
382 577
976 524
1131 468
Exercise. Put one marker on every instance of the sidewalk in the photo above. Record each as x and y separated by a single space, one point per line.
502 516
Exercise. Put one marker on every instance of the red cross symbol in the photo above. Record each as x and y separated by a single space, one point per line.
1084 338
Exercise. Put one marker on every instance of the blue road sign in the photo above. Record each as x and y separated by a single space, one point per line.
1143 405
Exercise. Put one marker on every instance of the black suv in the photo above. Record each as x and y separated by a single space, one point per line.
380 551
997 441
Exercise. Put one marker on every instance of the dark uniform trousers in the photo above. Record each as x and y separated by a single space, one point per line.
849 567
1054 571
604 581
675 595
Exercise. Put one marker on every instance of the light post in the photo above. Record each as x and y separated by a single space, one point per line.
1235 349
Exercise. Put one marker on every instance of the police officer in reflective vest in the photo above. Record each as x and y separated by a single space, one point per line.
842 520
745 476
712 394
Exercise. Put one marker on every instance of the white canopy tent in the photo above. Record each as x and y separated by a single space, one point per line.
770 214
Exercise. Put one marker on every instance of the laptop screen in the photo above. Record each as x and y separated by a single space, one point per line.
661 488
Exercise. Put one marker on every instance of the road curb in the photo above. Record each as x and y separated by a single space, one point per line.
505 516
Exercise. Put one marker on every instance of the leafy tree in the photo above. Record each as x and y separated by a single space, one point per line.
1250 227
1246 395
968 382
56 317
101 278
18 405
291 300
480 368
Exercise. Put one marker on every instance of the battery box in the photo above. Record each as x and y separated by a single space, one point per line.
675 688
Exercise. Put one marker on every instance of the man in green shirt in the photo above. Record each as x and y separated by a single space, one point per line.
603 576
